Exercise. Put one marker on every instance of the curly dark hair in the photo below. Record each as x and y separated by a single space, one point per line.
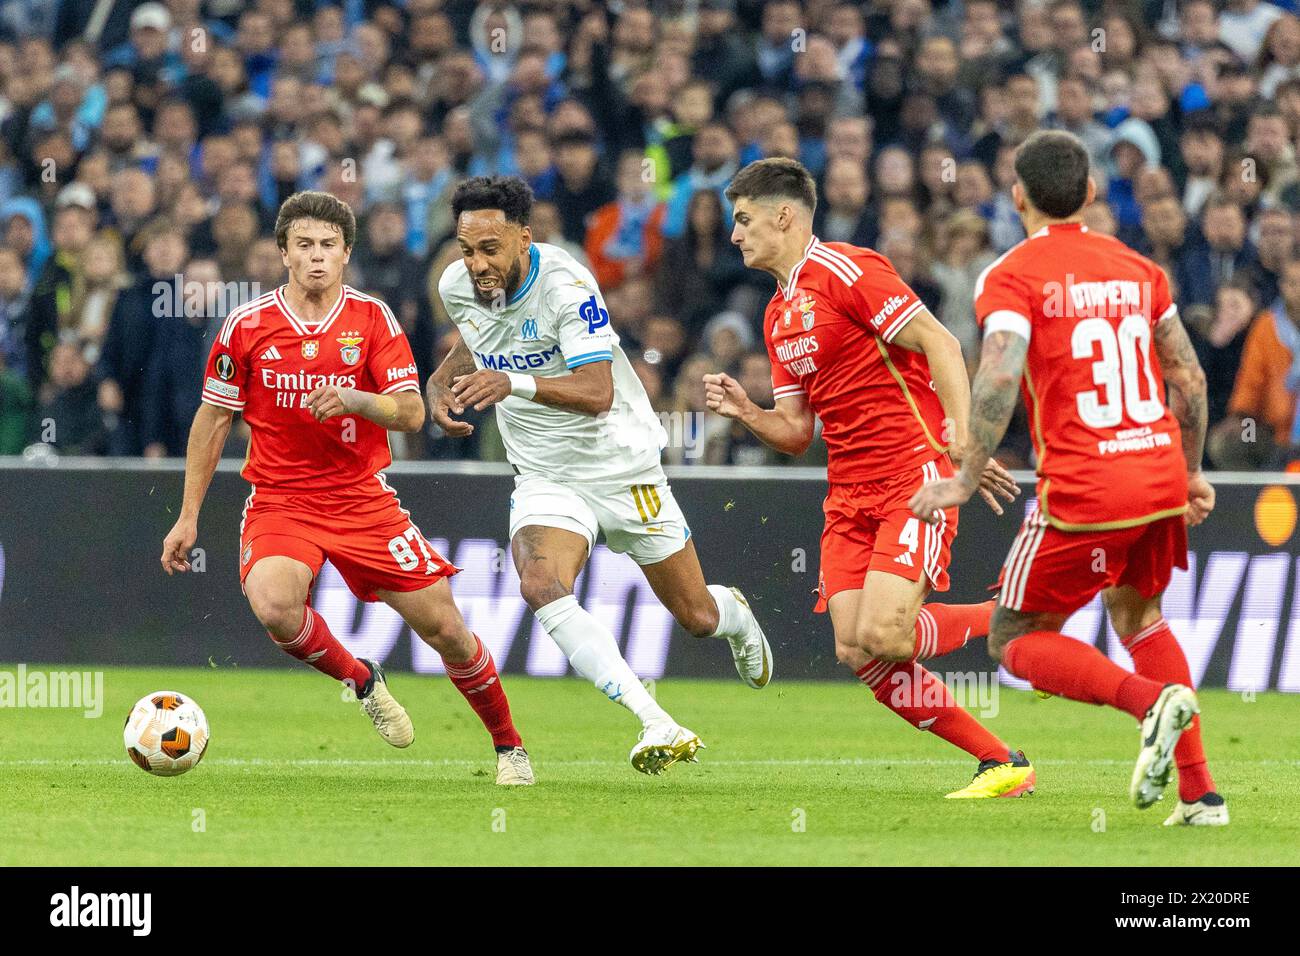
510 194
311 204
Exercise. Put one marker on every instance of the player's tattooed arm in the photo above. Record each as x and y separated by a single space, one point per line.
459 361
993 399
443 403
1187 389
1187 400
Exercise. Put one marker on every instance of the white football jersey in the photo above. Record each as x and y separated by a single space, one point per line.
556 322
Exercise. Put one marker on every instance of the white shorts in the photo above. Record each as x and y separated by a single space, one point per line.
642 521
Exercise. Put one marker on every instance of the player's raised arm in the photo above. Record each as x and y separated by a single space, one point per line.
207 437
788 428
1187 400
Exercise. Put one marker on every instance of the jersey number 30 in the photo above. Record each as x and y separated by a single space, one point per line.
1125 359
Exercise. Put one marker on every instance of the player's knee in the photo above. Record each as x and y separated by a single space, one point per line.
700 620
887 642
539 587
1124 616
279 612
446 633
850 655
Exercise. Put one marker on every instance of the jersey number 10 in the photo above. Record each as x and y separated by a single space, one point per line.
1125 359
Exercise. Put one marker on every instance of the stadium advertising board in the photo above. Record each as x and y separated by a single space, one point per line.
80 580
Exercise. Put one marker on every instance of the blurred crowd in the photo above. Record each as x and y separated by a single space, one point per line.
146 146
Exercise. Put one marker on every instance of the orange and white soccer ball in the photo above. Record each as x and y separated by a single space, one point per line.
165 733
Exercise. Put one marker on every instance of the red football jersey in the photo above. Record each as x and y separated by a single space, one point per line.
266 361
829 336
1109 450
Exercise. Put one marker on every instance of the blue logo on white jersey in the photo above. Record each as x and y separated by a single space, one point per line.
529 331
595 317
517 360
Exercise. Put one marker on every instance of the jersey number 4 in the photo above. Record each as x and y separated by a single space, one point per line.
1125 360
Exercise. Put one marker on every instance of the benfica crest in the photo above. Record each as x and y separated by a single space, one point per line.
350 348
806 313
310 349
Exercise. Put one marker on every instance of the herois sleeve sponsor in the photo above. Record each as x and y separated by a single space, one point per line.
394 374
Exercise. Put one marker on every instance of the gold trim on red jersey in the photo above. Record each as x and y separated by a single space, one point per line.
1040 446
1060 525
1057 523
907 394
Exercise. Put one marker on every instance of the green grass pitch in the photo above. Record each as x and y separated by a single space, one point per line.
800 773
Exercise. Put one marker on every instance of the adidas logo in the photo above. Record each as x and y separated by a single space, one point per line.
271 355
482 687
904 558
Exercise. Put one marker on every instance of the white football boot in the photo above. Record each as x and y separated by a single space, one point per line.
1164 723
388 716
514 769
1209 811
751 652
661 745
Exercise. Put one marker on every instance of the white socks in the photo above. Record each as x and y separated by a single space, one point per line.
593 652
733 617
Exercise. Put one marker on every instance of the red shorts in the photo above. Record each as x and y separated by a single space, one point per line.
364 531
1061 571
869 527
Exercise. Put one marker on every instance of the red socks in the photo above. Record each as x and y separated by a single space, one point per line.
477 679
942 628
1061 665
925 702
1156 655
315 645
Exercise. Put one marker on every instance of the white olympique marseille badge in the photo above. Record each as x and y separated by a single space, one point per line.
310 349
350 348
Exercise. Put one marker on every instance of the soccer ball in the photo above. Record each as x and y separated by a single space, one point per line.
165 733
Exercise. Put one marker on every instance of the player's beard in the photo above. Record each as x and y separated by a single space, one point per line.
509 287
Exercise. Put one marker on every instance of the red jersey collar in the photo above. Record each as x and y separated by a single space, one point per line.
301 326
1060 227
794 273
